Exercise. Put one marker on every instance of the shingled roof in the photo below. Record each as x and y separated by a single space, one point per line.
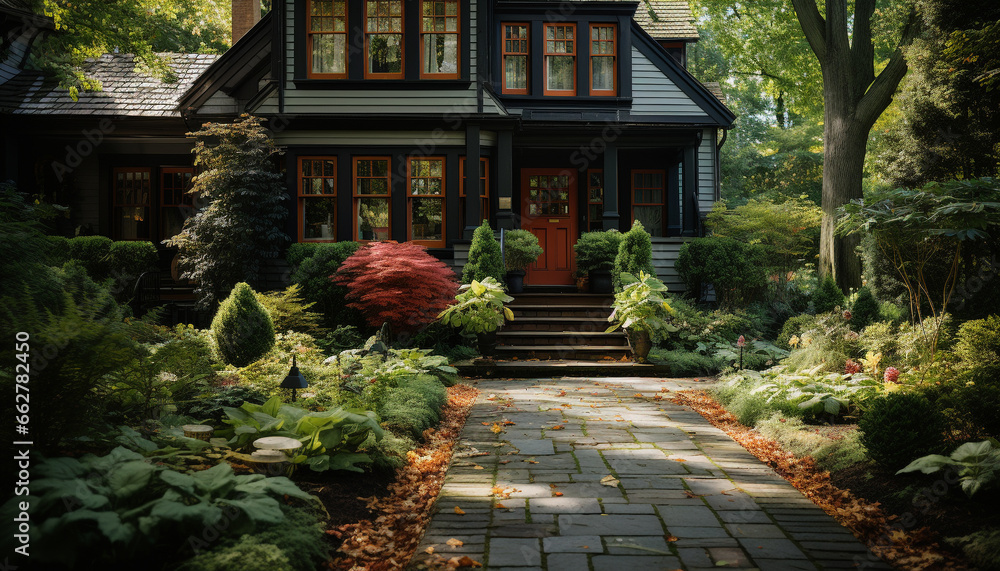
125 91
666 19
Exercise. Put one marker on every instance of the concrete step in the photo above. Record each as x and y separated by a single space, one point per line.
562 299
576 352
561 338
573 311
571 324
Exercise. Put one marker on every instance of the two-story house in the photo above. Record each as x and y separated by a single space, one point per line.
409 120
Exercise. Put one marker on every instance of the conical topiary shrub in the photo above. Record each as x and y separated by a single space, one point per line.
635 254
484 257
242 328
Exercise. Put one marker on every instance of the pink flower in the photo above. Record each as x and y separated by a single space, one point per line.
847 315
892 375
741 342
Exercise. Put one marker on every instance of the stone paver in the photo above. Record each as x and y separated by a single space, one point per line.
682 494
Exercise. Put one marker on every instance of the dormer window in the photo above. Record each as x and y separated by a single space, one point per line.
384 39
603 59
327 39
439 39
560 59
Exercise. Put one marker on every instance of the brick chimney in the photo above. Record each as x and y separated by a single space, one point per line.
246 14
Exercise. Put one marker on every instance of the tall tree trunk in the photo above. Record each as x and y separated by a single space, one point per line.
843 172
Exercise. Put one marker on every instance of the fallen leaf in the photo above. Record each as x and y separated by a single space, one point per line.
478 467
464 561
532 461
691 494
610 481
459 511
486 424
496 428
561 394
429 550
455 542
558 494
557 427
500 506
671 538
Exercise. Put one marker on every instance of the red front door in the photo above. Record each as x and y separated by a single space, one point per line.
548 210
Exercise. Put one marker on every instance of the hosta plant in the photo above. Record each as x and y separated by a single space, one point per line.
479 308
977 464
331 440
640 306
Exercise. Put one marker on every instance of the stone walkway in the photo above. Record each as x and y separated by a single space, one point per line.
683 496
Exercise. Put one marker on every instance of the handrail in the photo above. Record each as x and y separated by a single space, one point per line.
503 259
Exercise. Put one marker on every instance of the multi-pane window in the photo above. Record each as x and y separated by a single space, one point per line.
425 191
603 59
439 38
648 200
549 195
515 58
176 203
384 39
317 207
132 190
560 59
484 192
371 198
595 200
327 39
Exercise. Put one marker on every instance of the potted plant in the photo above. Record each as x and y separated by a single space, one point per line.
639 309
595 256
520 250
479 310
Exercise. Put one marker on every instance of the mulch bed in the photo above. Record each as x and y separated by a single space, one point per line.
904 543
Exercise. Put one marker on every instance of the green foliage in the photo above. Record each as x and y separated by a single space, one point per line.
485 259
597 250
340 339
635 255
737 393
211 406
119 510
478 308
684 363
899 427
825 344
794 327
331 440
640 306
145 28
970 400
757 355
313 265
520 249
737 270
981 548
244 191
248 554
414 405
290 312
977 464
789 230
828 296
242 329
978 344
864 309
799 439
122 262
93 253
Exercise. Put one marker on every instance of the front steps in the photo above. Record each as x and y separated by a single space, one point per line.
564 326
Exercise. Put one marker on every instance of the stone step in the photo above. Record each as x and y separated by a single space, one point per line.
561 338
574 311
562 299
575 352
570 324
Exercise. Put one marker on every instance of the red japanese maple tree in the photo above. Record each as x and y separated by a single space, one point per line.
397 283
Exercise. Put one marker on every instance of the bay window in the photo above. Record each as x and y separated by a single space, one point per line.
603 59
439 39
317 199
425 193
371 198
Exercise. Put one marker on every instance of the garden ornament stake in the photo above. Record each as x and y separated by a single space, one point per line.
295 380
741 343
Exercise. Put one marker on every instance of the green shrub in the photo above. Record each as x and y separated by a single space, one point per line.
901 427
864 309
129 260
971 401
880 275
799 439
686 363
485 259
313 264
635 255
749 408
93 254
290 312
211 406
597 250
242 329
342 338
795 327
982 548
520 249
978 343
737 270
828 296
248 554
414 406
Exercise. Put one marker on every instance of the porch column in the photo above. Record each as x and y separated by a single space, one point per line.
473 216
505 180
674 225
690 196
612 219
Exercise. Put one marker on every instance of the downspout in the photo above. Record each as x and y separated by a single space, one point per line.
718 164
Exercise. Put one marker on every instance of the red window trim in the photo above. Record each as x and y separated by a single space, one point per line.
309 43
546 54
410 196
457 34
302 196
614 60
356 196
505 53
402 43
662 205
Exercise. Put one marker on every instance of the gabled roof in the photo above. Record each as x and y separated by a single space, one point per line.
125 91
666 19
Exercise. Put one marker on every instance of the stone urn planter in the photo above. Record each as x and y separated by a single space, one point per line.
487 343
641 344
600 281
